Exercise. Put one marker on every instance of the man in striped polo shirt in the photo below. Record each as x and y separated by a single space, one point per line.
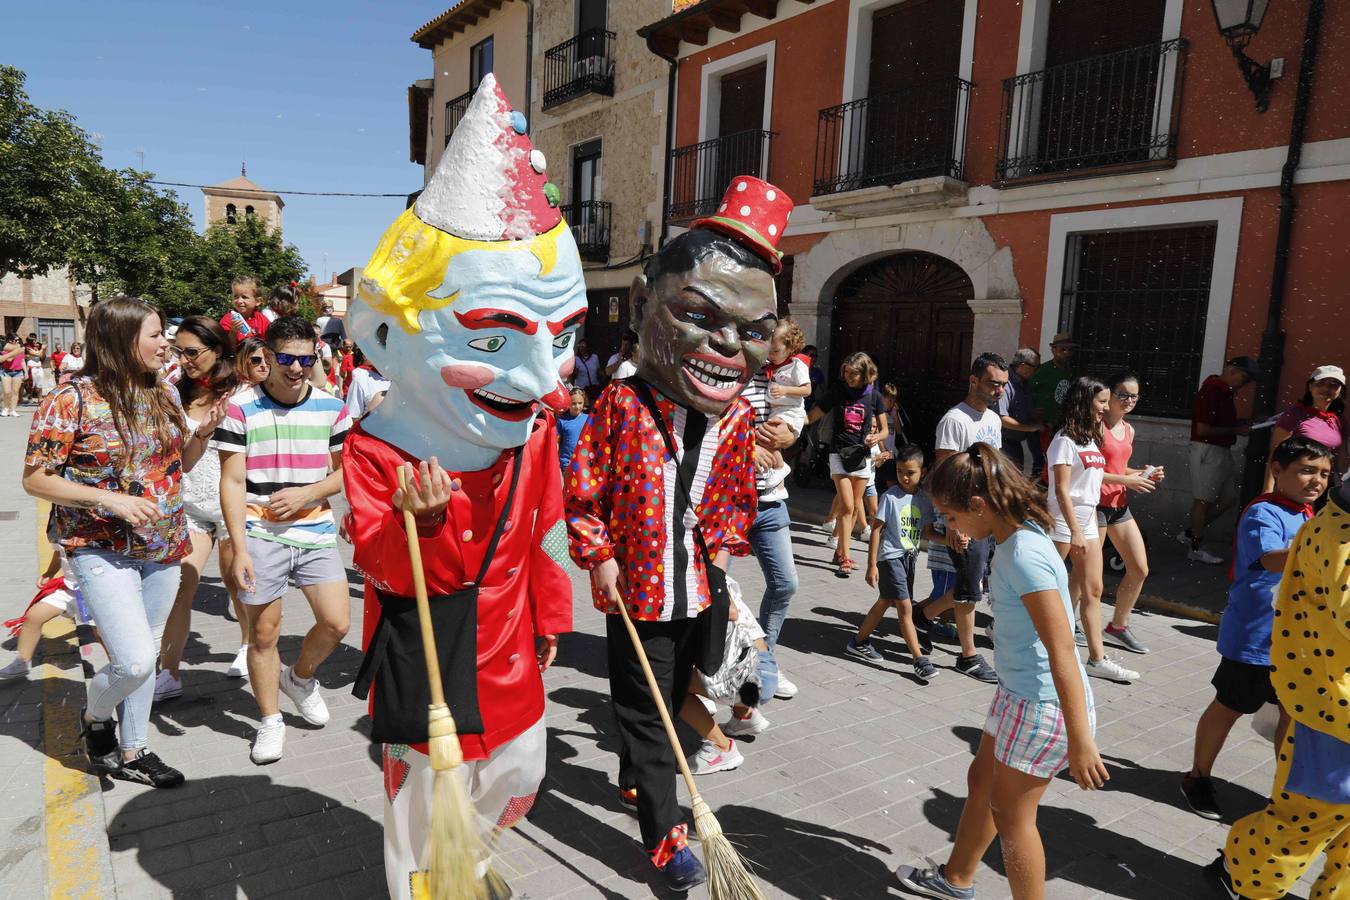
280 460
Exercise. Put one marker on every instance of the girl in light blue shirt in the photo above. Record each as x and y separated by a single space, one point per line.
1042 716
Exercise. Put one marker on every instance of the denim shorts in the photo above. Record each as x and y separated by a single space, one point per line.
895 577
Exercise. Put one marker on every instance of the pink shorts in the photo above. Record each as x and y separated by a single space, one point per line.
1029 735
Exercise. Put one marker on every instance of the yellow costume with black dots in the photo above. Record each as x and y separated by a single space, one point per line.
1268 851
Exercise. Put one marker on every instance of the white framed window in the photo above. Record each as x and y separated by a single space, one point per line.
1173 230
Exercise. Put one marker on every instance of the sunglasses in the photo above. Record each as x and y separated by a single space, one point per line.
285 359
257 360
1126 398
190 352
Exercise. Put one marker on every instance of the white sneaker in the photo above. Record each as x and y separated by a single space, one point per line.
832 542
306 698
239 668
18 668
1110 670
786 690
166 686
709 759
1201 555
827 526
751 725
866 535
269 742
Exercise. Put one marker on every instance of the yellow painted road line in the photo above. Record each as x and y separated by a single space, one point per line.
73 798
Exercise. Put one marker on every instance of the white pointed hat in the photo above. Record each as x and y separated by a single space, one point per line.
490 183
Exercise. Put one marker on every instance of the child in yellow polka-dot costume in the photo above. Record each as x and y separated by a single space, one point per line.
1309 810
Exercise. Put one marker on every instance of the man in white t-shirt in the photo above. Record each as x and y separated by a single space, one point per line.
973 420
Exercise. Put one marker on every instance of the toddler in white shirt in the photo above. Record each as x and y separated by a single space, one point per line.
789 386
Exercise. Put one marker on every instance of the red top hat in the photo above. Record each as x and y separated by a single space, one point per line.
754 213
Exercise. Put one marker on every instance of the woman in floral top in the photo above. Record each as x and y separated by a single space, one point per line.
108 450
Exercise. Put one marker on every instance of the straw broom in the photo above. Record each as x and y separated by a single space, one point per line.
729 878
455 842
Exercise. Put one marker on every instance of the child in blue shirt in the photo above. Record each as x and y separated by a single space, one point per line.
570 424
891 550
1242 680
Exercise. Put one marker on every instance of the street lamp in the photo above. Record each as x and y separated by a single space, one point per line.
1238 22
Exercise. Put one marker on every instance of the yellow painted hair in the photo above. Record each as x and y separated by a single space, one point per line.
411 259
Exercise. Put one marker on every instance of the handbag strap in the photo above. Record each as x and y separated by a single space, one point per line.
502 519
644 393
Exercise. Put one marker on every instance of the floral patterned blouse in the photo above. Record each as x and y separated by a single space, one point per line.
623 499
73 436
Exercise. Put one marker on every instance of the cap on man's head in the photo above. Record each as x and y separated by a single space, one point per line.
1063 339
1335 372
1247 365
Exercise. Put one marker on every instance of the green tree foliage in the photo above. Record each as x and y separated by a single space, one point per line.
59 206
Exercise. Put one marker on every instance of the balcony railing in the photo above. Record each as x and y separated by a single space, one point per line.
701 173
454 111
919 132
582 65
589 221
1114 111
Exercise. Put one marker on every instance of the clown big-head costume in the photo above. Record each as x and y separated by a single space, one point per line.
470 306
471 303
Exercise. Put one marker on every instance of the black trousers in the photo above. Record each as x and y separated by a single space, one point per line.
646 760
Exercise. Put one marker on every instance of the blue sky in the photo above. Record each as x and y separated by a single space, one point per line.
313 94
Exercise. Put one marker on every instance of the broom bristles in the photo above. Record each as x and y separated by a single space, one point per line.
729 878
455 842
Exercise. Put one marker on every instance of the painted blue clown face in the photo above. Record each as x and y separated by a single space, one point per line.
469 383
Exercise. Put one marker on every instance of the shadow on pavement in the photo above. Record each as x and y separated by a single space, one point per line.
243 832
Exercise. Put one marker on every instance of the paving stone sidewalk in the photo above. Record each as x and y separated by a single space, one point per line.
864 770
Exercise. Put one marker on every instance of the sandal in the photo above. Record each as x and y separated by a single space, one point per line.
845 567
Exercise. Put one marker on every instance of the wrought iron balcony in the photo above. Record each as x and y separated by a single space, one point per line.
589 221
899 136
1115 111
582 65
701 173
455 110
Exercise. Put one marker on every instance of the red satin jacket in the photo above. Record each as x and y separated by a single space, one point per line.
526 593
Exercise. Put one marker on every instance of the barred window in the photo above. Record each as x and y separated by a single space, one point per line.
1138 300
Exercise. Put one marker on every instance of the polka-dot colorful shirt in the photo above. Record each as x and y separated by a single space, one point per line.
624 502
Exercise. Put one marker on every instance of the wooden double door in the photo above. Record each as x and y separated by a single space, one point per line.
911 313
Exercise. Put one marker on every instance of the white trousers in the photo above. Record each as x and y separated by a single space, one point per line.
502 788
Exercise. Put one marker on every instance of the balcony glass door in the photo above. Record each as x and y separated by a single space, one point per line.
740 110
592 17
911 114
1098 103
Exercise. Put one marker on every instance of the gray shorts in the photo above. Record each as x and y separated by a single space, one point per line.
276 566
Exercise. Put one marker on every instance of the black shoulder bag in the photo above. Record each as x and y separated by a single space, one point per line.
396 665
712 622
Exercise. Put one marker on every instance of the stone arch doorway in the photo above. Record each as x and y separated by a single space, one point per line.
911 313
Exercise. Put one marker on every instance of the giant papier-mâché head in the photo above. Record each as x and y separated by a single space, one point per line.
472 301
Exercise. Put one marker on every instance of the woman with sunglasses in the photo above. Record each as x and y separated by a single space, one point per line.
250 361
205 354
1114 519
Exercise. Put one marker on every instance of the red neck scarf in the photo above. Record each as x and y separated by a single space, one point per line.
1325 415
1279 500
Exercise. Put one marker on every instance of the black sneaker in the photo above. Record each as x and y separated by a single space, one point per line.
924 670
1218 873
147 768
100 745
1199 793
976 668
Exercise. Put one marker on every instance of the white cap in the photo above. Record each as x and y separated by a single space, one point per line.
1321 372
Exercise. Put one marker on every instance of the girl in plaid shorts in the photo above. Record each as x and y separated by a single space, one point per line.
1042 718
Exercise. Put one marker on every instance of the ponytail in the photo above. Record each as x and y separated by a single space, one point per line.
983 472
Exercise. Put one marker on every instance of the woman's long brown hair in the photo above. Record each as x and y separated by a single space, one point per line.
983 472
112 362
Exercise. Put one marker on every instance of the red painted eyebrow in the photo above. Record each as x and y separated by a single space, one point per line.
575 319
496 318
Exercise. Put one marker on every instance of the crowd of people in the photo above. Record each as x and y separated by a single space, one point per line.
163 443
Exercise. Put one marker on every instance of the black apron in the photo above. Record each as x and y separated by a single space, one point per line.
395 663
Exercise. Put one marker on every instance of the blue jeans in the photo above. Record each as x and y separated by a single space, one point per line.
129 600
771 541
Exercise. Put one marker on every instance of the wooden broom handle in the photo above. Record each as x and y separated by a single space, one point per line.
423 604
660 704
